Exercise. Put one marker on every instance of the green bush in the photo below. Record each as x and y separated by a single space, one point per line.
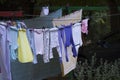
99 25
98 70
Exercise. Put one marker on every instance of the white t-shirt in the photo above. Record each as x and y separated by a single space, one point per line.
76 32
53 40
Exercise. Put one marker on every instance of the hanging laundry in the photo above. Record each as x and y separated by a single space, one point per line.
30 35
13 34
24 51
84 27
44 11
69 48
76 32
61 41
68 19
66 67
46 41
4 54
38 39
54 43
67 38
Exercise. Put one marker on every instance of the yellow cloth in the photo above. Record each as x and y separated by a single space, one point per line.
68 19
24 51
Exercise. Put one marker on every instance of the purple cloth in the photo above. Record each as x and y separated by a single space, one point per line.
69 40
65 36
4 54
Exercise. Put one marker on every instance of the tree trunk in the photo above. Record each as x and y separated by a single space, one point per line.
114 17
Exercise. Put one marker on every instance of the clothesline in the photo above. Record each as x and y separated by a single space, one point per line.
27 15
56 20
107 15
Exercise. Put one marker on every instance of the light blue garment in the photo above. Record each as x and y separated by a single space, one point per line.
30 36
13 34
4 54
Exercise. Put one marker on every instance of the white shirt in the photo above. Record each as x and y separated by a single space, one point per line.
38 37
76 32
53 40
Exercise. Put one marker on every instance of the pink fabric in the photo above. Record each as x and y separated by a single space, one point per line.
84 27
